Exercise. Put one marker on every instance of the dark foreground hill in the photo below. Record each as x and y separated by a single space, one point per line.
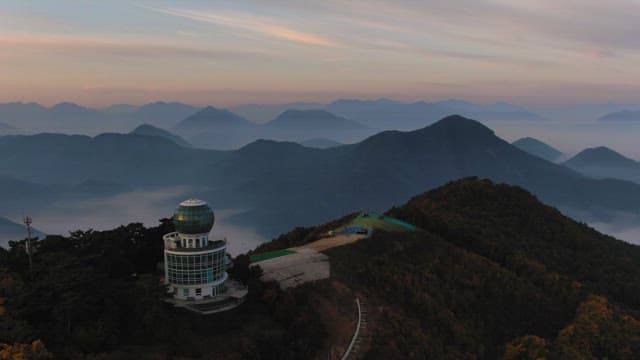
491 273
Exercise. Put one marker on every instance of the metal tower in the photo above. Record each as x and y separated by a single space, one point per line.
27 221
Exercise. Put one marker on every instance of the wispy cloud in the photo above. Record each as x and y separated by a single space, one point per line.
98 46
260 25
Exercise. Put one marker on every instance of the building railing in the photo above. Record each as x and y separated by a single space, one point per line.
173 242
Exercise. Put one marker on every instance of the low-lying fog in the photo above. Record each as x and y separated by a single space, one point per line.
621 225
146 207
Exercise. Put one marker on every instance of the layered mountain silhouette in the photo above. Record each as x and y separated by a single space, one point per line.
150 130
211 118
68 111
72 118
222 129
312 120
213 128
320 143
390 114
285 184
538 148
624 115
163 114
602 162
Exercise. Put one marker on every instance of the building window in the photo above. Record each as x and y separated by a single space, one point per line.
185 292
198 292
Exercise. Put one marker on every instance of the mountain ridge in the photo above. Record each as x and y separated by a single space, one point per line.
150 130
315 119
538 148
603 162
385 169
213 118
622 116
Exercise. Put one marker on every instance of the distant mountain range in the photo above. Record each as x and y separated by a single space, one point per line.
214 128
211 118
164 114
624 116
284 184
72 118
538 148
602 162
312 120
320 143
344 120
150 130
390 114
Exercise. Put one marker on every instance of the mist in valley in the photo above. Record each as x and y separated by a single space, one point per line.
146 207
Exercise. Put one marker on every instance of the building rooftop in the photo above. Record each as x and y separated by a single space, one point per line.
193 202
193 217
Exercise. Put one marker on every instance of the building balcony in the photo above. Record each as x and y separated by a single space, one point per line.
172 243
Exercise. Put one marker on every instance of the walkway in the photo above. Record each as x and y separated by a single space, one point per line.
354 345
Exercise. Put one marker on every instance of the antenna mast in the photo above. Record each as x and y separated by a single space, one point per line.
27 221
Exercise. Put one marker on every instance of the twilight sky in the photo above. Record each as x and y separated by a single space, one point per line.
228 52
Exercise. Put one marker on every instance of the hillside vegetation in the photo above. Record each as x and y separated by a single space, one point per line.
490 273
493 273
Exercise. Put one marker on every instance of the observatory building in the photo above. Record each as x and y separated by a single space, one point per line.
195 266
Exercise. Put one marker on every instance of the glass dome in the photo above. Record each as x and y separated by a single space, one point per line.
193 217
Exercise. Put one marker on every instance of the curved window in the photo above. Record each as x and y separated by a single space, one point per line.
195 269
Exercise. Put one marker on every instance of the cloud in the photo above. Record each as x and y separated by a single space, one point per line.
577 26
260 25
100 47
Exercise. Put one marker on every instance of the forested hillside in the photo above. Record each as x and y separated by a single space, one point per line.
99 295
493 273
490 273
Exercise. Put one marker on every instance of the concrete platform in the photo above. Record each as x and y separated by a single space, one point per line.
233 297
294 269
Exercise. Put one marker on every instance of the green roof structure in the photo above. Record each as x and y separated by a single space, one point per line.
193 217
